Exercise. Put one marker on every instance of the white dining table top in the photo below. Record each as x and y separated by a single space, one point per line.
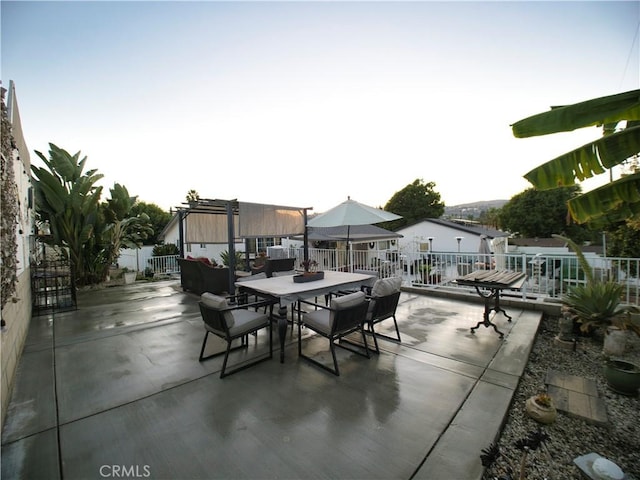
289 292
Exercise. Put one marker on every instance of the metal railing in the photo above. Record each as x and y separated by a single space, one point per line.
548 276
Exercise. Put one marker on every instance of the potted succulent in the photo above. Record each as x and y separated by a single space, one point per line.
540 407
596 303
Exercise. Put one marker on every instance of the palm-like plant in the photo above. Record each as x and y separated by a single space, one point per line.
68 198
618 200
596 303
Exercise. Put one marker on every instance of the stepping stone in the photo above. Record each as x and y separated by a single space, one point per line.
577 396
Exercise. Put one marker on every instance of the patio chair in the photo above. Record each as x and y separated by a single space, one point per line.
383 301
344 315
232 322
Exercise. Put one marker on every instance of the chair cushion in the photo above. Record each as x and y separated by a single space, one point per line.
347 301
386 286
319 320
217 302
246 321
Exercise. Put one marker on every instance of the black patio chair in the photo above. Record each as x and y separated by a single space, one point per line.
383 302
344 315
232 322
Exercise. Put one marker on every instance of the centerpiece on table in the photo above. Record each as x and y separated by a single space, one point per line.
310 273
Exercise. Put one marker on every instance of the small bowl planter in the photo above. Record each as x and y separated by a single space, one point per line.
540 407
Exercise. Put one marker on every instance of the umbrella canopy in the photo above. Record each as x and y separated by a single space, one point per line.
357 233
351 212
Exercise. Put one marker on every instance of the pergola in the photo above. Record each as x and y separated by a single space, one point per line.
225 221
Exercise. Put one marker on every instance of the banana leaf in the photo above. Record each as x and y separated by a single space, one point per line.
613 202
586 161
597 111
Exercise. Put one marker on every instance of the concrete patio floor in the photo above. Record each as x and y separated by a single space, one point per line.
115 390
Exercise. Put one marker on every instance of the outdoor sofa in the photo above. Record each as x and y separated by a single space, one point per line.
198 276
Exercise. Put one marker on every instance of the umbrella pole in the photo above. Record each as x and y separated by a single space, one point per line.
349 250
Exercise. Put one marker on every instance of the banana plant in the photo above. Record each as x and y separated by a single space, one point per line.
620 117
68 198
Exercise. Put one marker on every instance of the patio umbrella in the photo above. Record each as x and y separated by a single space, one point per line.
485 251
500 249
350 213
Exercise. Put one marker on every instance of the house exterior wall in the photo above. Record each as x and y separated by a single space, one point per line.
17 315
444 238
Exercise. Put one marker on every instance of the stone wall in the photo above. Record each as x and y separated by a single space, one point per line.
17 317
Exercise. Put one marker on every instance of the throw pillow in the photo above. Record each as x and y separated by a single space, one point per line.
386 286
217 302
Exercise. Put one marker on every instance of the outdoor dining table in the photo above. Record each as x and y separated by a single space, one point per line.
287 292
489 284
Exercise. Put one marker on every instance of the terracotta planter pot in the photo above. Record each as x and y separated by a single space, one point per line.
622 377
539 412
615 342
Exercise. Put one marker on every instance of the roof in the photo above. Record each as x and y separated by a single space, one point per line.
552 242
462 227
537 242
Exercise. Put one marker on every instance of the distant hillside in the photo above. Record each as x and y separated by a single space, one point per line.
472 209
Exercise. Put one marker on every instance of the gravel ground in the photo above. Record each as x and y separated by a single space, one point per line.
570 437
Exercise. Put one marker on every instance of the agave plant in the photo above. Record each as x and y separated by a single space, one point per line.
596 303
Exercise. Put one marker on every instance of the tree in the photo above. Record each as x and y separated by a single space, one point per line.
490 218
536 213
68 199
158 219
122 229
615 201
416 201
624 237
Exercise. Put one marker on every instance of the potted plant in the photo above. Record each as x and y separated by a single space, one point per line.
310 272
598 304
540 407
129 275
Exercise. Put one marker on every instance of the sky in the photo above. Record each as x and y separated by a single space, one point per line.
307 103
